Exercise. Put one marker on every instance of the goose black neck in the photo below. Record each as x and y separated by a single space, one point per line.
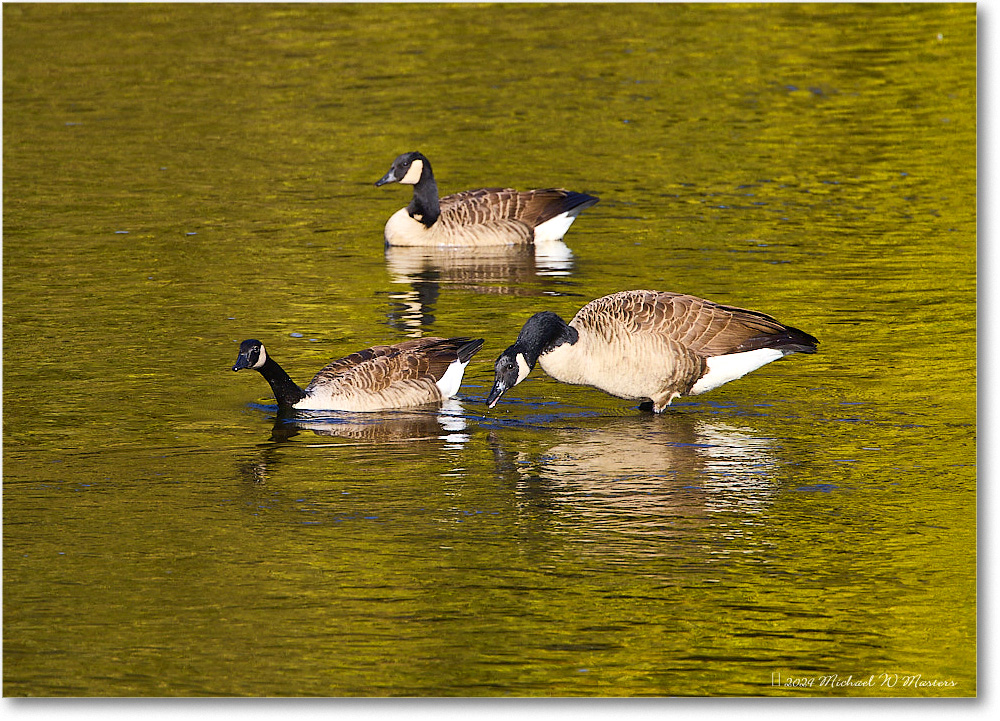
425 206
543 333
286 392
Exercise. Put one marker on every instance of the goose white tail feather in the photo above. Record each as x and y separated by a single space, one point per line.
725 368
451 381
555 228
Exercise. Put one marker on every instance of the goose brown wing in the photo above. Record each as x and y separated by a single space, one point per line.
662 340
531 207
375 369
697 325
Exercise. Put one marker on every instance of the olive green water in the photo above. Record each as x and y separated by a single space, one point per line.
179 177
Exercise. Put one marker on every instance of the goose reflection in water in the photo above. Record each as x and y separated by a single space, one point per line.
489 270
643 476
445 426
445 423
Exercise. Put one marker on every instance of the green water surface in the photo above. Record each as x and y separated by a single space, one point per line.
179 177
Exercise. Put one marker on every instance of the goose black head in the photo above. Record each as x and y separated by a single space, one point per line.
510 369
542 333
408 169
252 355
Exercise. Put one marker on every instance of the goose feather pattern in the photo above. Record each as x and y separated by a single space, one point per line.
647 344
414 372
485 216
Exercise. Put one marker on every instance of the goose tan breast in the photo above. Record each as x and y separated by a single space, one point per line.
621 363
402 230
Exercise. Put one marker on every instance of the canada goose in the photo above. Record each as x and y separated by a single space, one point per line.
648 344
487 216
411 373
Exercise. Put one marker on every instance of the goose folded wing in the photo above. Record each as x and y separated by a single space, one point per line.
531 207
710 329
375 369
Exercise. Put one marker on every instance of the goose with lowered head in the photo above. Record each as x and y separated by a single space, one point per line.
411 373
648 345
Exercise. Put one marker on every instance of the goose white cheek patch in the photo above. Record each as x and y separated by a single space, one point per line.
523 369
412 176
